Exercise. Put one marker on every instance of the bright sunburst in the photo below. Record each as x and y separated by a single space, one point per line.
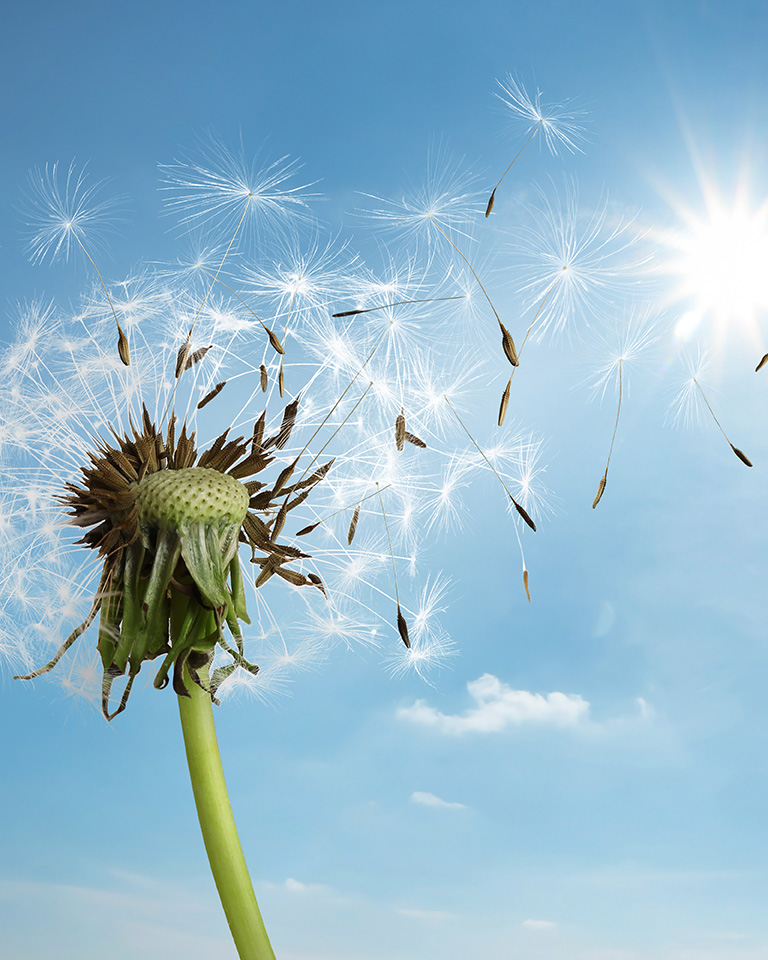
720 261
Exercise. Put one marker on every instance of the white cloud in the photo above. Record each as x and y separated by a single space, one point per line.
296 886
430 800
538 924
499 707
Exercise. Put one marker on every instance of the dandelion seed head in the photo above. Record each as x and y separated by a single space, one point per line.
62 211
561 125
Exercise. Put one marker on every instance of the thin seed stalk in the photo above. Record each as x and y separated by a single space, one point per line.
217 824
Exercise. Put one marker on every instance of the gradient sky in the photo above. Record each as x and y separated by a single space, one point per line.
375 830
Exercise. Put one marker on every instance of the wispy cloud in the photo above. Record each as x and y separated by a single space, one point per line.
538 924
499 707
430 800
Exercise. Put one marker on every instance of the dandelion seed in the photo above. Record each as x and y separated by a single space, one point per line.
574 265
560 125
762 363
264 378
211 394
686 405
504 402
353 525
525 584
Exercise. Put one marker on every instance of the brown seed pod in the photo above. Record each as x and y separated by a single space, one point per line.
508 345
741 455
491 202
416 441
504 402
309 529
122 346
264 377
523 513
600 491
281 380
274 341
762 363
400 430
353 525
213 393
181 357
197 356
525 584
402 628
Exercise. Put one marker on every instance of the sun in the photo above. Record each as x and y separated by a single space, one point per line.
719 261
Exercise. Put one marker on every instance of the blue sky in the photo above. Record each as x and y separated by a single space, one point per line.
626 822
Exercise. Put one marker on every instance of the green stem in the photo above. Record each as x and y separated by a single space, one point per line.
222 845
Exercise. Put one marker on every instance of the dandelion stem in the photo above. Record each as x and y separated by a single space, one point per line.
395 303
538 312
479 449
739 453
122 342
217 823
530 137
604 478
479 282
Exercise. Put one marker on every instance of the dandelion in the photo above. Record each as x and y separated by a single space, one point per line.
130 512
623 344
691 403
574 265
558 124
443 209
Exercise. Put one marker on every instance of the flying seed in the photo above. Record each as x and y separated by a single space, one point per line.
400 429
523 513
741 455
181 357
509 346
488 209
281 380
504 402
274 341
197 356
525 584
416 441
264 378
762 363
122 346
353 525
600 491
309 529
213 393
402 628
